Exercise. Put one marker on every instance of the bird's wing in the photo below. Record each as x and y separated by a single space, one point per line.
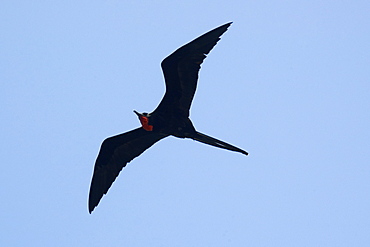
181 70
115 153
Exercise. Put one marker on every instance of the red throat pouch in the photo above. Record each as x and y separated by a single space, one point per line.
145 123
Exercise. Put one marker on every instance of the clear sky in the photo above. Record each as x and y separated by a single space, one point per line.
289 82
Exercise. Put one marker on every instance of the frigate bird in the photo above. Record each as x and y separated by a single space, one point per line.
171 117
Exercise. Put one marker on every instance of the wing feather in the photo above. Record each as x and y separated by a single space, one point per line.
114 154
181 70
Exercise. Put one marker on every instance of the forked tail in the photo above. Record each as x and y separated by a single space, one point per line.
217 143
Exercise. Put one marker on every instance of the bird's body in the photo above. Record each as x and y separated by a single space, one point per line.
171 117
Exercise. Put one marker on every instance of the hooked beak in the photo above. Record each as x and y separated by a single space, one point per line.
138 114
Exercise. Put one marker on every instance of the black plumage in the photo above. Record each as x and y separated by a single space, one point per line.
171 117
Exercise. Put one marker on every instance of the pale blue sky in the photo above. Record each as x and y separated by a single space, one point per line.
289 82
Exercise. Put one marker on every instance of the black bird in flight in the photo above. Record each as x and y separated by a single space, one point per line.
171 117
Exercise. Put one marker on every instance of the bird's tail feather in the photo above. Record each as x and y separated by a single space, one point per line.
216 143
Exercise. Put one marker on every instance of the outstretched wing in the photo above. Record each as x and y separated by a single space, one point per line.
115 153
181 70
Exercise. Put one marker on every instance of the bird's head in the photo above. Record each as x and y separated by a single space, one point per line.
144 120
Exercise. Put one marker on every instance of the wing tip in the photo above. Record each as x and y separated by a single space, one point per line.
227 25
92 206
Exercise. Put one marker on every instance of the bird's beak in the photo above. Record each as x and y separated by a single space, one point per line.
138 114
